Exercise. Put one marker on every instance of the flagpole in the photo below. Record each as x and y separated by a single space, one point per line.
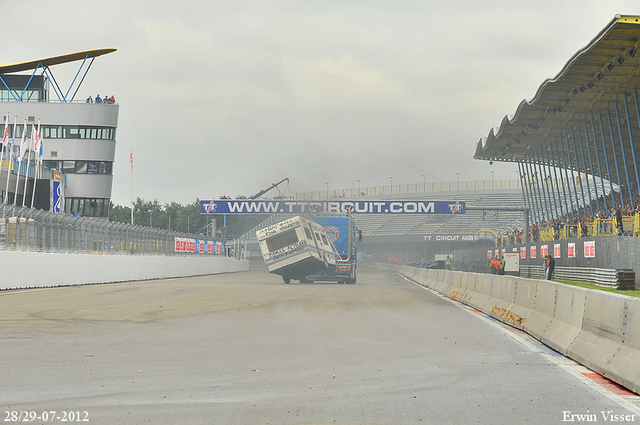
13 140
26 173
20 157
37 159
4 143
131 161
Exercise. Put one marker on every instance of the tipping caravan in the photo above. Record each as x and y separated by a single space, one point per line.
296 248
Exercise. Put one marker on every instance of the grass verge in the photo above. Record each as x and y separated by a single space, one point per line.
631 293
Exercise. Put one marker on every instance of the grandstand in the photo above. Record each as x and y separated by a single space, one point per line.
475 225
470 223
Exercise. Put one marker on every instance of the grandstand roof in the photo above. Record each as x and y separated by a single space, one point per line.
597 84
8 68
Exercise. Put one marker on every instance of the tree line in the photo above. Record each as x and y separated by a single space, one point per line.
183 218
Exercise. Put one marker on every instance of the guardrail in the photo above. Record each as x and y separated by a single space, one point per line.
601 277
26 229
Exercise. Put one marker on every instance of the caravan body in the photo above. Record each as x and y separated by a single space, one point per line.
295 248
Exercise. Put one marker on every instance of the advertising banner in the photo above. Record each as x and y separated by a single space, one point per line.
544 250
589 249
198 246
556 250
357 207
571 250
57 205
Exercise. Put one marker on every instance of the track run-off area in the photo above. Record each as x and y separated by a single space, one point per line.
244 348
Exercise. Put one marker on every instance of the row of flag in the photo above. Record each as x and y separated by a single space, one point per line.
36 138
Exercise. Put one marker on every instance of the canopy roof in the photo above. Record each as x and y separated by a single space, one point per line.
9 68
597 87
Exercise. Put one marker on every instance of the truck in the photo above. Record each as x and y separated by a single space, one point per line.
295 248
321 248
344 235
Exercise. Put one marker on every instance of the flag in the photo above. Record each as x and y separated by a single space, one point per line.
24 144
13 137
131 161
41 149
5 138
36 143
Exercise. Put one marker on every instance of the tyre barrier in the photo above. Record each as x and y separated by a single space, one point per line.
597 329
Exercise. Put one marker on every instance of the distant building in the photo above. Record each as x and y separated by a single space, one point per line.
79 137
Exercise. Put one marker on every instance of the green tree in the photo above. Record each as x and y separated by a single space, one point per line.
119 214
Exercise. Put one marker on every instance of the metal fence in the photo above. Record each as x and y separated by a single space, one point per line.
26 229
394 189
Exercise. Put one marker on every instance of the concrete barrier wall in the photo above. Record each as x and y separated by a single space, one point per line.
598 329
34 270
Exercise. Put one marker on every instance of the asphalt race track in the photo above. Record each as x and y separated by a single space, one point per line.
245 348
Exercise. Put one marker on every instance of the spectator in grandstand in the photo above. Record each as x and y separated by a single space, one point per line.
89 99
619 221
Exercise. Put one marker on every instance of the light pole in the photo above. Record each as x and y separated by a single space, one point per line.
390 184
358 180
458 176
424 183
491 179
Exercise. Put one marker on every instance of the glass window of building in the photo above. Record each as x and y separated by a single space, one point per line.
81 167
68 167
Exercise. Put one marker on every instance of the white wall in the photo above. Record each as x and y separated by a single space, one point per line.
32 270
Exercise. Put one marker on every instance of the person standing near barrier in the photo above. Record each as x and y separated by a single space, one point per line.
619 221
502 262
550 264
447 263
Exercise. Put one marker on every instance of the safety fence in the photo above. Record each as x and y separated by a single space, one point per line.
26 229
597 227
392 189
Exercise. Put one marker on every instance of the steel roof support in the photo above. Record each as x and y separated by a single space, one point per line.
595 145
575 151
537 190
555 178
526 190
524 195
545 188
606 160
545 185
615 159
564 192
573 179
593 173
531 189
633 153
624 156
586 176
545 158
13 94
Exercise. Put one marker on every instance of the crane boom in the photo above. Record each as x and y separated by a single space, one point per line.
262 192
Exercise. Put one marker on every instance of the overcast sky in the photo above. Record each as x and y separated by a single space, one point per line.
226 97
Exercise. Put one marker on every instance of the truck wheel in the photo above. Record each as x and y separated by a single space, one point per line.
286 279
